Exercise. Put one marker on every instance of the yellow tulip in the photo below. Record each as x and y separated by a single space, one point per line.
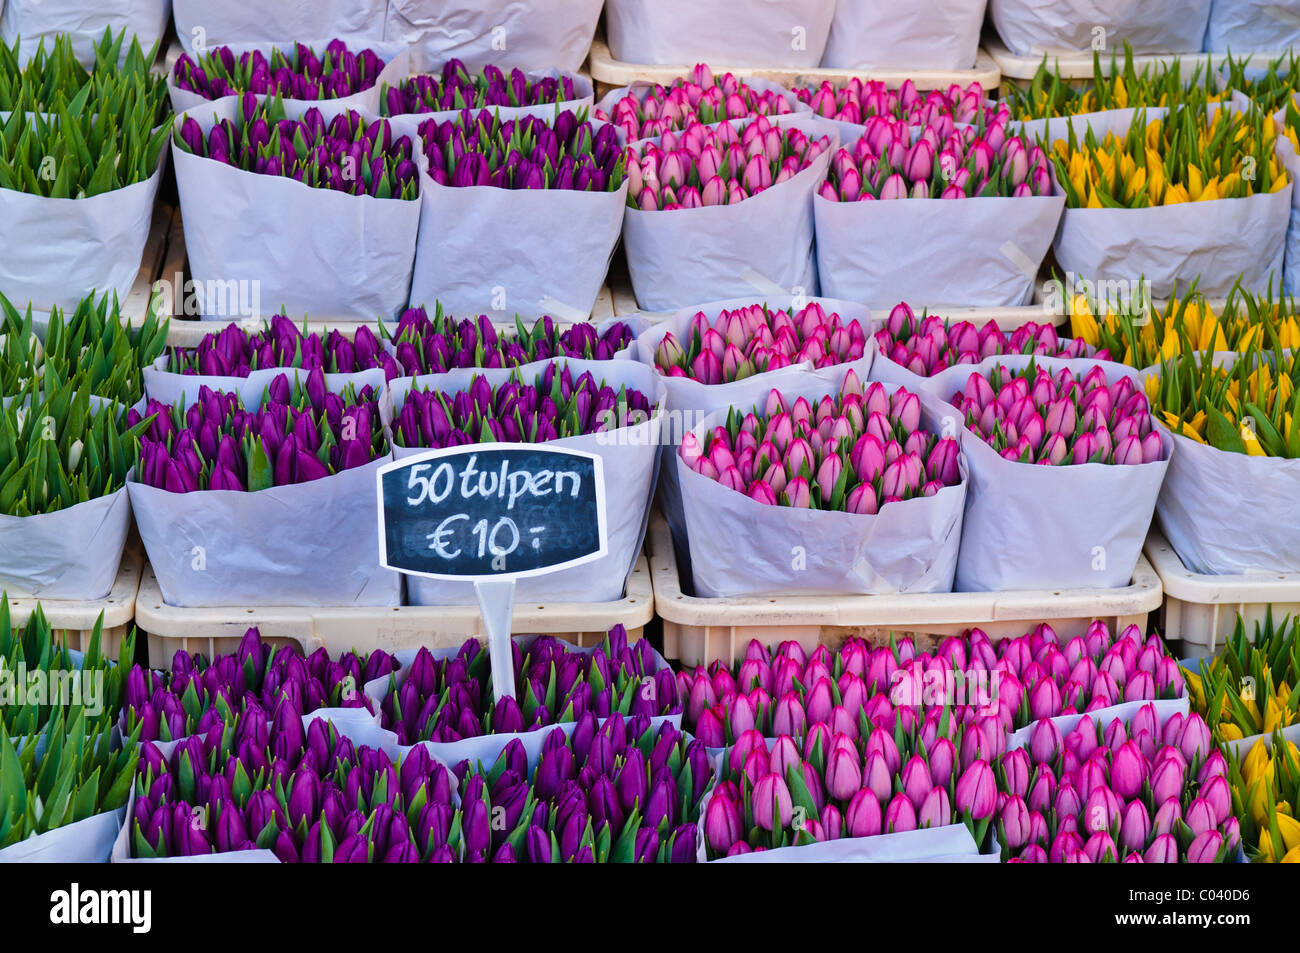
1175 194
1253 708
1256 760
1292 856
1228 731
1195 183
1289 828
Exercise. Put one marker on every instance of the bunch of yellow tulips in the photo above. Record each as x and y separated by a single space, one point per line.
1190 156
1265 788
1139 334
1270 90
1121 86
1252 686
1247 406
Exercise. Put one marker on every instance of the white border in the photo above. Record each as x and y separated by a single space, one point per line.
601 520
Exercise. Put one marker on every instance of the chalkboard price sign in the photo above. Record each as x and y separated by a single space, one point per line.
491 511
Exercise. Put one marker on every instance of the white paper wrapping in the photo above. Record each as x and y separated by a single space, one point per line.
60 249
1100 122
251 21
741 547
32 21
168 387
1172 245
1248 26
1035 27
309 544
1039 527
505 33
536 251
1228 513
85 842
781 33
1165 708
929 34
1291 257
629 456
396 59
982 252
71 554
680 257
348 256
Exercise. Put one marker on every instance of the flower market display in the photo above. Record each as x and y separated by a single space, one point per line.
591 459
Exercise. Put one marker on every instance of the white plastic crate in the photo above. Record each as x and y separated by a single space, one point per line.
340 630
74 622
698 631
1201 610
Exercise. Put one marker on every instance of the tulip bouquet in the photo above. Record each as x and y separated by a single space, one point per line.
524 153
555 406
885 164
346 154
63 775
198 694
858 101
927 345
1272 89
700 97
300 73
92 343
425 345
838 785
717 166
449 699
1248 407
1146 335
235 352
1055 419
72 153
617 791
1265 787
458 89
1189 156
742 342
297 435
856 452
1253 686
309 795
48 77
36 668
1122 86
60 447
1144 791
